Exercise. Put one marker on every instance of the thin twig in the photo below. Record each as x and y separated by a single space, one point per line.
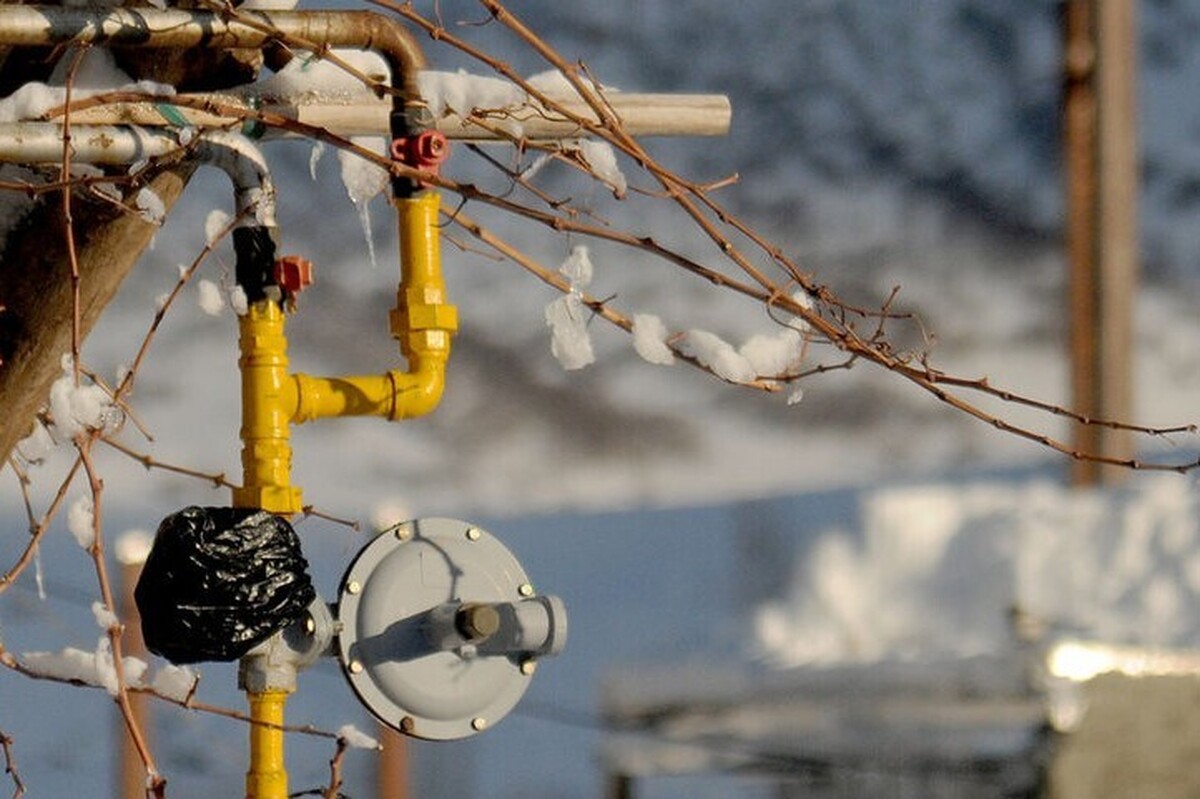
10 765
155 781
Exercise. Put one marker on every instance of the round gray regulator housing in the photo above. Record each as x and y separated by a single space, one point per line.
440 628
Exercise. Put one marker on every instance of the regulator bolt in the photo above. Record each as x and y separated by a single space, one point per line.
477 621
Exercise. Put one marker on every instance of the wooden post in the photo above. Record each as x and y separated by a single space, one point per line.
131 551
1100 148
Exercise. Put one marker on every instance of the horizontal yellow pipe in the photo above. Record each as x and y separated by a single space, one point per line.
393 395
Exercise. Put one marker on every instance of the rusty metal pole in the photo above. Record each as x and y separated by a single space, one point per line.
131 550
392 774
1100 154
619 786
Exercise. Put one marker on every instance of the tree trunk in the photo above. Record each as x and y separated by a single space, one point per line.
36 298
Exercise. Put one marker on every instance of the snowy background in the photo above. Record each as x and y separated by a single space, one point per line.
882 145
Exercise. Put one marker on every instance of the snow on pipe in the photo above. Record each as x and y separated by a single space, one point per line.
179 29
235 155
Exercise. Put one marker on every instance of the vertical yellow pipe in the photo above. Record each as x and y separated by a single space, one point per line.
266 778
422 321
268 403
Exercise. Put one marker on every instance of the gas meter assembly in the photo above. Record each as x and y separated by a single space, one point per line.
440 629
436 626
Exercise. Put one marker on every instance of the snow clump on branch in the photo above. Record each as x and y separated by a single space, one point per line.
356 738
650 339
77 409
96 668
81 521
208 296
567 317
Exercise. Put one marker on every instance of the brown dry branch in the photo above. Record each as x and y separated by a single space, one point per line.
24 482
155 782
218 479
10 765
317 513
598 307
831 317
126 384
335 770
38 530
15 664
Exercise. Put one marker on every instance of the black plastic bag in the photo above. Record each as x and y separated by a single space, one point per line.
219 581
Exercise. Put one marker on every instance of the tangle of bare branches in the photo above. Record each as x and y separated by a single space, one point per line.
746 263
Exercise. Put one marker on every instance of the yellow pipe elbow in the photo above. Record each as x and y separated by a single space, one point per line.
266 777
272 399
418 393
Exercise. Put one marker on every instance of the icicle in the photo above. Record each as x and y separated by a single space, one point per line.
364 217
39 576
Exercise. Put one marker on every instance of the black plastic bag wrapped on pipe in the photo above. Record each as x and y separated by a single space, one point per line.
219 581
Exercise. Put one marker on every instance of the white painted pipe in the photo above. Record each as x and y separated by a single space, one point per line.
641 115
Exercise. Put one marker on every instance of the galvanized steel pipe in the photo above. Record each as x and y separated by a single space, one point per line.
235 155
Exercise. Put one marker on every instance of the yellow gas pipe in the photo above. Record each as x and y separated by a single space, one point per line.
266 778
273 400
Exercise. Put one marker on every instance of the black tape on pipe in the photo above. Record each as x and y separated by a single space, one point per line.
219 581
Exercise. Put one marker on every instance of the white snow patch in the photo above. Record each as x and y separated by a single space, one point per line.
937 568
774 354
81 521
577 268
175 682
105 618
76 409
238 300
215 224
567 316
718 355
569 340
97 73
91 668
602 160
356 738
150 206
650 339
308 79
208 296
461 93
